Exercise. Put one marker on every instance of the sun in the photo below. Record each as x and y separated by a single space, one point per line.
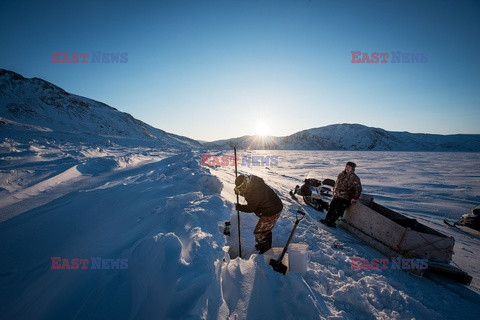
261 129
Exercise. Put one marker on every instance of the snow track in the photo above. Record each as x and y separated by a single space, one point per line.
43 192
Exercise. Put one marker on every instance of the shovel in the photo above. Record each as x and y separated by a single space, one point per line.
277 265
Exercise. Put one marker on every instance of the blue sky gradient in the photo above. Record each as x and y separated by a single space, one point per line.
217 69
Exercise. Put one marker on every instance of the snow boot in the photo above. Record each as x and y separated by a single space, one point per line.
263 246
331 225
268 240
328 223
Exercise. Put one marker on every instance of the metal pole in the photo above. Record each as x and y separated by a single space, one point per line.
238 212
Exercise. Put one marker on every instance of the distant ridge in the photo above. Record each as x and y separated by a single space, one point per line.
354 137
36 109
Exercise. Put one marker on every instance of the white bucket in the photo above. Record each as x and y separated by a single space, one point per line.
274 253
298 257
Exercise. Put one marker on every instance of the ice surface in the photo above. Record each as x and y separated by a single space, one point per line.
160 210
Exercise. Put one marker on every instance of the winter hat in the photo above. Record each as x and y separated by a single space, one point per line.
241 183
351 164
240 180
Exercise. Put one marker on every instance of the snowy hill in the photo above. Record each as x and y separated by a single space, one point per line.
354 137
36 108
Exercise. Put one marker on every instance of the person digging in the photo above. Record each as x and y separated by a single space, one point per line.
264 203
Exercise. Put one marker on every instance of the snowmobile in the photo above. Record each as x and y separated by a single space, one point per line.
316 193
472 219
469 222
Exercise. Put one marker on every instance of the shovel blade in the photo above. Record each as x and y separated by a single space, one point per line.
278 266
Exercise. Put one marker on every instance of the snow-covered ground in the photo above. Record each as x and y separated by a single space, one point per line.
426 186
159 210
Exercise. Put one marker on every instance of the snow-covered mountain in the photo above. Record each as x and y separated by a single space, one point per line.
354 137
36 108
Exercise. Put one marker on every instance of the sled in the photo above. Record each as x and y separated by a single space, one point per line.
463 228
396 235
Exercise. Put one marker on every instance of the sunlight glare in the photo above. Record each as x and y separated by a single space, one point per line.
261 129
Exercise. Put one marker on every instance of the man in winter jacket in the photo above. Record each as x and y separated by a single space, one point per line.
264 203
346 192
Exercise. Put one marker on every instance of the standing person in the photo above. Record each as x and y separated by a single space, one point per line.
262 201
347 190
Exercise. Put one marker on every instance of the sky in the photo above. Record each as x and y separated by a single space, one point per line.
213 70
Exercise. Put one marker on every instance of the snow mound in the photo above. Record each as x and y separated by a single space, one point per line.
261 291
95 166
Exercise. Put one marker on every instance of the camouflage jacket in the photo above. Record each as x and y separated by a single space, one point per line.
348 186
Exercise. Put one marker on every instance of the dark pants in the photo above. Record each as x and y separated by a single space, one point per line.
263 231
336 209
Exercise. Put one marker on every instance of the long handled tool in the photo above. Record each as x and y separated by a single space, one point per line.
238 212
277 265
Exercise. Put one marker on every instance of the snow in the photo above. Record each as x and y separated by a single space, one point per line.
162 211
81 180
407 182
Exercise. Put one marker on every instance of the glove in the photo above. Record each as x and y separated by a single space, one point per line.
239 206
